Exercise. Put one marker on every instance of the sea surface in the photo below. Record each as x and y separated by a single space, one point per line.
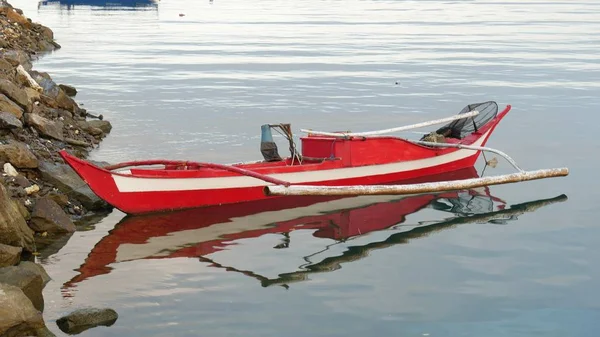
195 80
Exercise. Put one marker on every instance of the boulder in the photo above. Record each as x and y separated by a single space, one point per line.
18 154
64 178
83 319
13 228
48 216
103 125
9 121
69 90
37 269
45 81
7 105
12 91
9 255
18 317
16 57
46 32
65 102
46 127
87 127
6 67
32 94
28 281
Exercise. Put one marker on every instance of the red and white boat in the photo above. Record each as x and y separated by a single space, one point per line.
328 160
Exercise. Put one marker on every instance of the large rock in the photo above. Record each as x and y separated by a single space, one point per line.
69 90
29 282
18 154
18 316
45 81
6 104
83 319
9 121
87 127
65 102
12 91
63 177
48 216
16 57
9 255
13 228
47 127
103 125
37 269
32 94
6 67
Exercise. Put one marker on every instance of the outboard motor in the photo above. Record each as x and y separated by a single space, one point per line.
268 148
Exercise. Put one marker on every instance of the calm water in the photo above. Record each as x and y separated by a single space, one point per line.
199 86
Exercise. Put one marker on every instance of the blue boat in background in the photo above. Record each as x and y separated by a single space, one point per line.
112 4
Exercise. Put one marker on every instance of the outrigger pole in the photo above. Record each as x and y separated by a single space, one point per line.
443 186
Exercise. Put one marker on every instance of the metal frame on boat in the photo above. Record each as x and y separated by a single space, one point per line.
330 163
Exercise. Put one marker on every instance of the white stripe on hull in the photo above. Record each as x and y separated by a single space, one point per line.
135 184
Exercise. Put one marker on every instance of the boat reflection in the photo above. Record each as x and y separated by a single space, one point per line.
197 233
108 4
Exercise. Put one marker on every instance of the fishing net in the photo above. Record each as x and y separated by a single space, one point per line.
461 128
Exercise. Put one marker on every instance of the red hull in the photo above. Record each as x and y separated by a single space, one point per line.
360 161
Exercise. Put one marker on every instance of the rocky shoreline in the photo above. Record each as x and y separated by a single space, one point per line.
41 198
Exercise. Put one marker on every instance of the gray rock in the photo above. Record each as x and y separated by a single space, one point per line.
83 319
18 154
48 216
37 269
64 178
6 104
87 127
46 127
18 316
46 82
29 282
12 91
17 57
9 255
9 121
69 90
21 181
13 228
65 102
105 126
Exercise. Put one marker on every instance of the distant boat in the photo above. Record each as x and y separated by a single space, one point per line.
200 232
330 162
101 3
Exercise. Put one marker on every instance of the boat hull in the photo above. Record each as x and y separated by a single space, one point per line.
138 191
